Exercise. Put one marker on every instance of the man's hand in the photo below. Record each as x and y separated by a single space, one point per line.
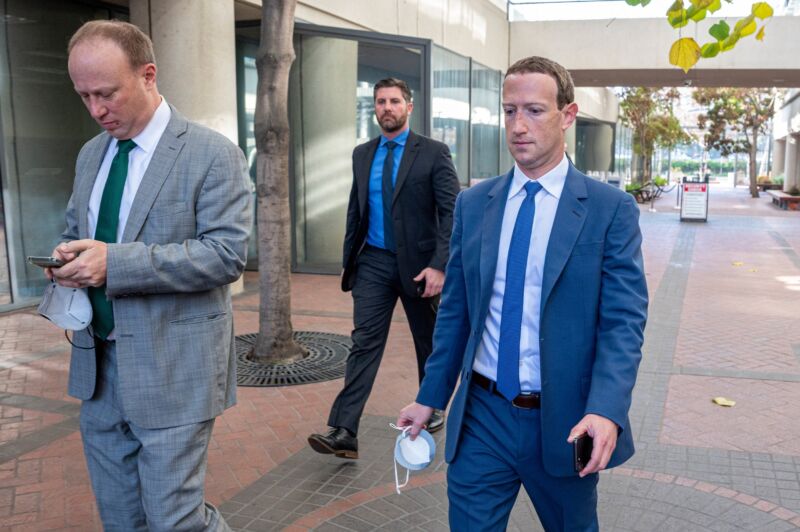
604 433
85 263
415 415
434 280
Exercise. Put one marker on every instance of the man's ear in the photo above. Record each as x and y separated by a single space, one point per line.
149 73
570 112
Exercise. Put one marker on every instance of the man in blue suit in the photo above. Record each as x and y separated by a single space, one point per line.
541 323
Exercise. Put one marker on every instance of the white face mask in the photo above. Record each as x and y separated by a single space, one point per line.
412 455
69 308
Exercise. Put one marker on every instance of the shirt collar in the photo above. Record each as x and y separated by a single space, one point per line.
552 182
399 139
151 134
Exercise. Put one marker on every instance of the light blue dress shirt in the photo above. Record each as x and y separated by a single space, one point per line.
375 229
546 204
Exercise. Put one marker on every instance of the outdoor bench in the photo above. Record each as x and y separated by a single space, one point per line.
784 201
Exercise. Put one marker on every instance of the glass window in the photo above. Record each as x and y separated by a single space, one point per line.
450 106
594 146
331 111
485 122
44 126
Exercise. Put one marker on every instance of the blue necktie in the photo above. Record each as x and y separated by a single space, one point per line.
388 192
511 316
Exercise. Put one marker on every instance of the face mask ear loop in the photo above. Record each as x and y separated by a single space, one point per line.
397 480
397 484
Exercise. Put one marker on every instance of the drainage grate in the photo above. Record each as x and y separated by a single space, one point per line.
325 361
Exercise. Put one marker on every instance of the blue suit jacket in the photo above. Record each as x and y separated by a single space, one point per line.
593 311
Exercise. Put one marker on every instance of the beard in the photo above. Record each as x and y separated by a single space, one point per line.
390 124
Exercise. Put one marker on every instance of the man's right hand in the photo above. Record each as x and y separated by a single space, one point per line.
414 415
60 252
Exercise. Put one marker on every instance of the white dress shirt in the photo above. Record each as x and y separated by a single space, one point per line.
546 204
138 159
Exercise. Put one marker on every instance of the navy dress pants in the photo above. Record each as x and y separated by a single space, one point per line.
501 448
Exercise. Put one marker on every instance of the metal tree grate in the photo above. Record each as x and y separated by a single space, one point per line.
325 361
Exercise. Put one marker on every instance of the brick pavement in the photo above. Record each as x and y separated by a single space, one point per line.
716 327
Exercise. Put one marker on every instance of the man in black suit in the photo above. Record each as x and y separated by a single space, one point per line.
396 244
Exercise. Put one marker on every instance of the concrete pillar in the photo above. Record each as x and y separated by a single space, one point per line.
790 166
778 157
195 46
325 115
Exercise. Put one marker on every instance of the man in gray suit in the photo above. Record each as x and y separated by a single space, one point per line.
157 228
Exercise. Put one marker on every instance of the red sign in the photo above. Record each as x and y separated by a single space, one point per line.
694 187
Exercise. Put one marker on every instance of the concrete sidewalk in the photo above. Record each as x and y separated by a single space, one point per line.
724 321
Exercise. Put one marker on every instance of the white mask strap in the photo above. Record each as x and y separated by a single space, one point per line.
397 480
396 477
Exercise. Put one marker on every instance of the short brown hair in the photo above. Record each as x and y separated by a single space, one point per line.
542 65
392 82
131 40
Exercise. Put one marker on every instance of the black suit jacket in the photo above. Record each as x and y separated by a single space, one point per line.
422 208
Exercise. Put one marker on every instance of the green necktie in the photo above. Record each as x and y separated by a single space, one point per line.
106 231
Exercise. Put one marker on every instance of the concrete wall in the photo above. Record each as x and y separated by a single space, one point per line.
631 51
475 28
597 102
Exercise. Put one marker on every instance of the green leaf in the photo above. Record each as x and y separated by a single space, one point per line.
680 20
676 15
720 30
728 43
645 2
714 6
696 14
676 7
762 10
709 50
633 2
684 53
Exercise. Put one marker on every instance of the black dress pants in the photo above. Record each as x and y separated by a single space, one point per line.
375 294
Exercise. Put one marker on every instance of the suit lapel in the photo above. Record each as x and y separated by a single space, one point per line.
570 217
167 150
363 172
83 193
490 239
409 154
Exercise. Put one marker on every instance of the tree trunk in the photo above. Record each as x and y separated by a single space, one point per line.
753 163
275 343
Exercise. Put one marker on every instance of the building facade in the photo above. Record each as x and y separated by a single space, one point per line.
451 52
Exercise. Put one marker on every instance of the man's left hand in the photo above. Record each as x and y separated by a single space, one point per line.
88 268
434 280
604 434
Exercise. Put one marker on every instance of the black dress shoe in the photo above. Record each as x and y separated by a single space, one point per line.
338 441
436 422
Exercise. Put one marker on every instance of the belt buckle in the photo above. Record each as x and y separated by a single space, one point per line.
521 407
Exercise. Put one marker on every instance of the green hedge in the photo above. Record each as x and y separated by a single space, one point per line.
715 167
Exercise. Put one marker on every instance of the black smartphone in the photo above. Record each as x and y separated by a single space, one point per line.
582 451
46 262
420 287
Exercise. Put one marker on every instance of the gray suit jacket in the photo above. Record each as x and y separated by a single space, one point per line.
184 242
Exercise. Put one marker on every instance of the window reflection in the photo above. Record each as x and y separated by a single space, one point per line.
450 106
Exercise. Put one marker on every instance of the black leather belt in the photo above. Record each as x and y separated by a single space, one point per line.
527 401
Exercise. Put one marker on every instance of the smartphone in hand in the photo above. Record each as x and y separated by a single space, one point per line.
46 262
582 451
